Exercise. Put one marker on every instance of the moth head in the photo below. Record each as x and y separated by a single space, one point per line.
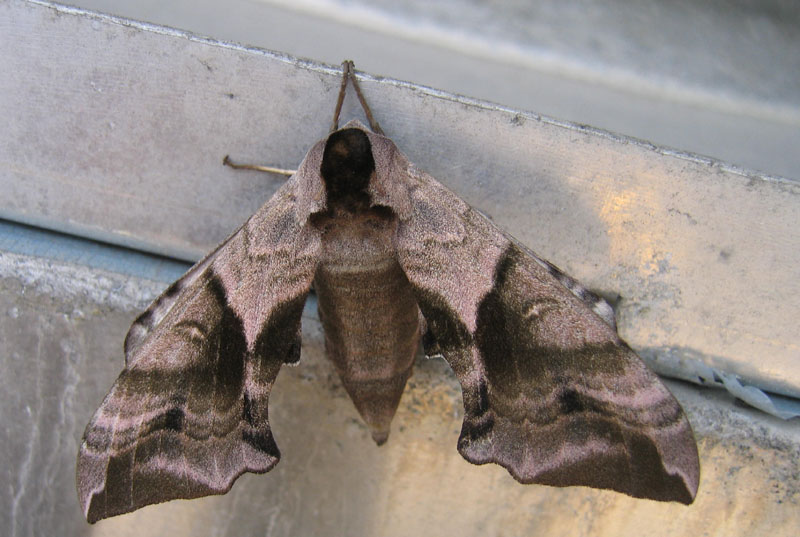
347 165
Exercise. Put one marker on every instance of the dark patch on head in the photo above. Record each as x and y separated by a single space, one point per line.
347 165
262 441
173 419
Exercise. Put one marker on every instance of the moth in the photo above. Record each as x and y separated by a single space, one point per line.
550 391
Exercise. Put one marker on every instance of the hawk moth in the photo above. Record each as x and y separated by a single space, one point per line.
550 391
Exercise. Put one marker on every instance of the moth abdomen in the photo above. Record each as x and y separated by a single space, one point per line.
368 312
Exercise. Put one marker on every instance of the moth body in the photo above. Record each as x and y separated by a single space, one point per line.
368 312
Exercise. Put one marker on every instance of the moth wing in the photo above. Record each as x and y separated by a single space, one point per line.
550 391
155 312
188 414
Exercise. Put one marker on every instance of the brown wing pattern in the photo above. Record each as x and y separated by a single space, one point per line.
550 391
188 414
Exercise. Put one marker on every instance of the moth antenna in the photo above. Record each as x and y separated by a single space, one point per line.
373 123
269 169
349 73
347 67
